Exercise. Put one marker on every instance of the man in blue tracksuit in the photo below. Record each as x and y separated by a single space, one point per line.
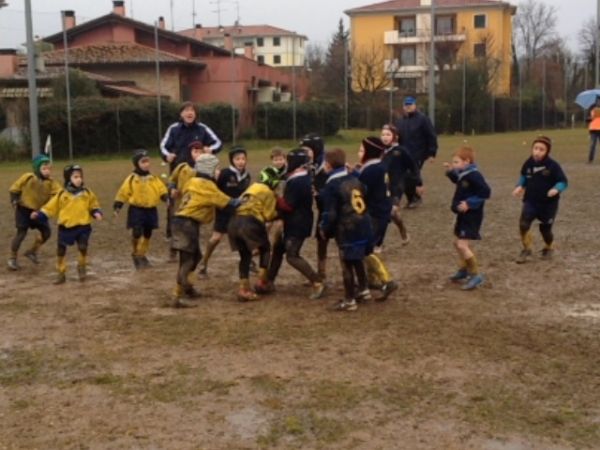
175 144
416 133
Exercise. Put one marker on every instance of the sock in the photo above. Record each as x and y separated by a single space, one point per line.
135 243
262 274
82 260
61 264
245 284
462 264
178 292
526 240
13 255
472 265
36 244
142 246
375 266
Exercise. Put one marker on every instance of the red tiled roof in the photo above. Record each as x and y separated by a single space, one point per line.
115 53
237 30
415 4
129 90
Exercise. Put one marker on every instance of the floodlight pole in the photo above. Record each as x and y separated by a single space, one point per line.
34 125
158 86
294 112
346 74
597 85
68 86
432 67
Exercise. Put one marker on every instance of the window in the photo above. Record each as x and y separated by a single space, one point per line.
260 42
479 50
276 59
408 55
276 41
260 59
479 21
407 85
408 26
444 25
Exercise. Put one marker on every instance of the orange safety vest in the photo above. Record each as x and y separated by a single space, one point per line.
595 122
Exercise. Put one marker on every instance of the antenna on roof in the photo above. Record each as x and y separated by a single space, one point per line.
172 18
237 7
193 13
219 10
131 8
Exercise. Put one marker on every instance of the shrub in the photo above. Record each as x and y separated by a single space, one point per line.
275 120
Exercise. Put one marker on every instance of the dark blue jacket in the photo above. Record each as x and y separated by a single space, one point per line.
379 203
232 183
471 187
399 165
539 177
345 216
180 135
296 206
416 133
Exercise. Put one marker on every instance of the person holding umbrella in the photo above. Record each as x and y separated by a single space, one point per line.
594 128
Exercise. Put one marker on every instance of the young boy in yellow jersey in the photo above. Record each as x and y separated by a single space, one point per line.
200 198
182 173
29 193
143 191
248 232
74 206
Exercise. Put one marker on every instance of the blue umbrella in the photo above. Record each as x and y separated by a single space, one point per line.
586 99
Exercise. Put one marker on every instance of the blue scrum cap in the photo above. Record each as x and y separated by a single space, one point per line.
410 101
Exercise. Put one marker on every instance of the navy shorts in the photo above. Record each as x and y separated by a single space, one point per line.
544 212
23 219
79 234
222 219
146 218
467 226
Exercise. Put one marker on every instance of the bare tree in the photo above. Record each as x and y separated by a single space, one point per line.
535 25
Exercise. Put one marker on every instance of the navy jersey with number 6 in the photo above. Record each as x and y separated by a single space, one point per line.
345 215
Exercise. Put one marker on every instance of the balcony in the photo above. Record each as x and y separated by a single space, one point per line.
393 67
396 37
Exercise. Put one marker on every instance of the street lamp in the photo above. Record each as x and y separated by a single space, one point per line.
391 90
34 126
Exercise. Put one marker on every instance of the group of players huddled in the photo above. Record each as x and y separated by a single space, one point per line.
274 216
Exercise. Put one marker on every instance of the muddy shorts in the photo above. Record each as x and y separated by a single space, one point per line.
185 234
249 231
544 212
222 219
23 220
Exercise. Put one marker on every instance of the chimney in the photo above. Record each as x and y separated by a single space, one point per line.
68 19
161 23
249 50
119 8
228 43
9 62
425 2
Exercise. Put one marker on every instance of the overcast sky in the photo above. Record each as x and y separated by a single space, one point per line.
316 19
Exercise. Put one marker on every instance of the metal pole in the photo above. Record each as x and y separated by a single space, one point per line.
566 93
520 97
172 18
294 132
193 13
543 94
391 104
464 97
158 87
346 76
597 85
493 113
233 131
68 87
432 67
132 16
34 126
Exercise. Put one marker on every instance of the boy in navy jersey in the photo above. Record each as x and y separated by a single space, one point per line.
295 208
346 219
541 183
469 197
232 181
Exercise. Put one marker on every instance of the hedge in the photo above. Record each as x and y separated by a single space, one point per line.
102 125
275 120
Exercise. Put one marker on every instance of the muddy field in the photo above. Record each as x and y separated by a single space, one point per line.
514 365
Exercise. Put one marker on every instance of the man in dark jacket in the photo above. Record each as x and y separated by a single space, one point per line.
175 143
416 133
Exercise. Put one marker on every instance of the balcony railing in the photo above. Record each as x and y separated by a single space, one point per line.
395 68
419 36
